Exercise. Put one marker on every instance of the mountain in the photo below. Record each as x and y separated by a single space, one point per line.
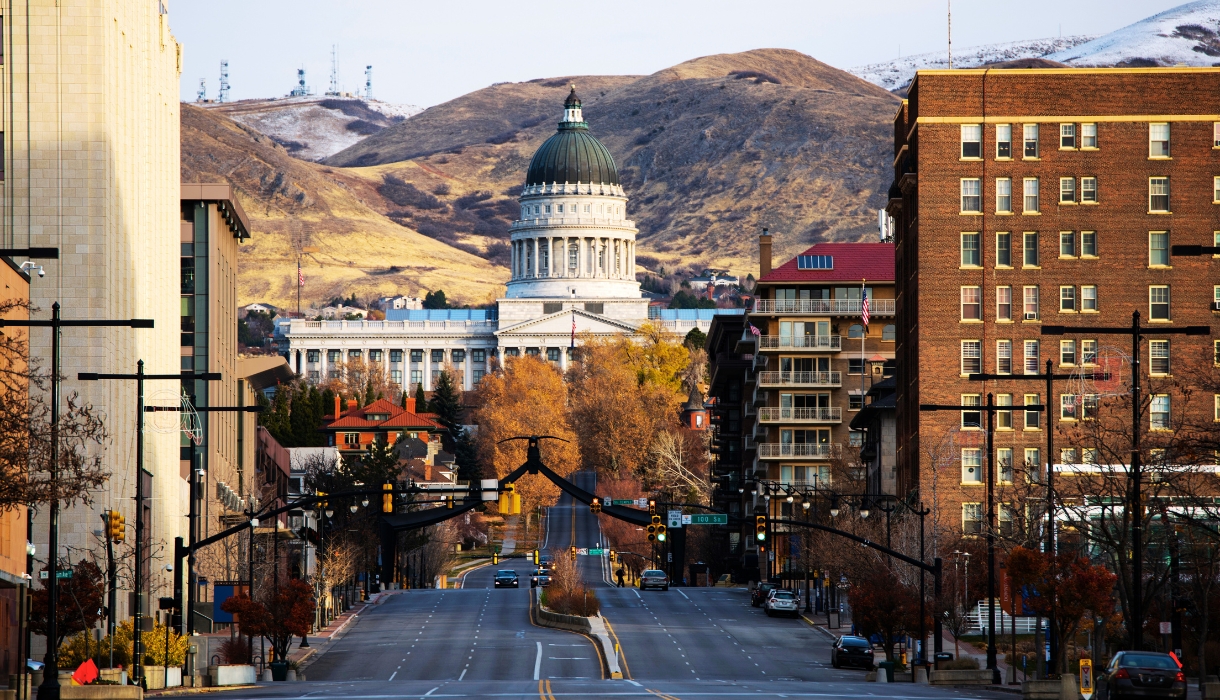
294 204
1188 34
896 75
312 128
709 151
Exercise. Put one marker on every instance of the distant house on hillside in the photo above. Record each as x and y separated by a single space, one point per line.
400 302
713 279
260 307
341 312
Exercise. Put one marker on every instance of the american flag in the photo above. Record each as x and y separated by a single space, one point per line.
864 307
573 328
754 330
300 276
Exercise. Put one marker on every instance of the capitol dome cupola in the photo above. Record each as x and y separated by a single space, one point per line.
572 158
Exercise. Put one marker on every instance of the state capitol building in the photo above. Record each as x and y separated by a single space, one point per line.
573 272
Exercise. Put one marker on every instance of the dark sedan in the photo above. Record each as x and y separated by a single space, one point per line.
760 593
851 651
506 579
541 578
1142 674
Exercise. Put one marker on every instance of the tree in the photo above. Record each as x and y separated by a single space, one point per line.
466 455
695 339
685 300
421 399
446 402
79 602
282 615
436 300
882 606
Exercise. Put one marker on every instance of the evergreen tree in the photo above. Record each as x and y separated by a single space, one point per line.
696 339
447 403
421 401
466 455
328 402
276 416
378 464
370 395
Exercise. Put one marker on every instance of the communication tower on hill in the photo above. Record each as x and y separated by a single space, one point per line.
223 95
368 82
334 72
202 95
301 90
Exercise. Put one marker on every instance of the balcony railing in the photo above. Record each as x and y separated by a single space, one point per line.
774 378
798 342
312 327
828 307
829 414
799 450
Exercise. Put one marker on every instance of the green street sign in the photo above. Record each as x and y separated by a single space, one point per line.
497 549
710 519
596 552
61 574
623 502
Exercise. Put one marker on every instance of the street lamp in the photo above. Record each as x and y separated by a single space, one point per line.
834 510
864 511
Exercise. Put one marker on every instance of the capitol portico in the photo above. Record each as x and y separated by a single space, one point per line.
572 271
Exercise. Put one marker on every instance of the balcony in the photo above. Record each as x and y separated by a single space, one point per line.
823 307
829 414
826 343
805 450
799 379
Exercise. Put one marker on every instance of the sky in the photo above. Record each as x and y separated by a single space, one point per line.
425 53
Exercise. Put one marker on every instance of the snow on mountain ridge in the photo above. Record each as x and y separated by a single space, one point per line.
1187 34
898 73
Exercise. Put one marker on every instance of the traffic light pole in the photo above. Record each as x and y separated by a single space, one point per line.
111 593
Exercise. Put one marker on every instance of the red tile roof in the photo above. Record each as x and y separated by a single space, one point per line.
399 418
852 263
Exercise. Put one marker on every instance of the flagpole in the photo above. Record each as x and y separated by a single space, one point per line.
864 323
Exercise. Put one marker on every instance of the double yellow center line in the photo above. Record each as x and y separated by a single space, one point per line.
544 692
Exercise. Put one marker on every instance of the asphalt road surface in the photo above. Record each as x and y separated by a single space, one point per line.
478 642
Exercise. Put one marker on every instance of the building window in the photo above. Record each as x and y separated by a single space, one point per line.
531 352
1003 458
1031 195
855 365
1216 352
1003 357
972 518
1067 352
1033 419
1003 303
396 356
552 354
1158 302
855 438
353 354
1067 299
1088 244
313 355
1088 297
972 419
1003 141
1158 140
396 376
478 355
1158 356
1067 406
1031 304
417 377
855 402
1067 244
332 356
972 305
417 355
855 330
972 465
1216 190
1030 134
1088 190
1088 352
374 356
1003 249
438 356
1158 412
1029 250
972 140
1088 136
351 439
1067 136
1158 194
1031 357
1067 190
1003 195
477 375
1069 455
888 332
972 200
1089 404
314 375
1217 413
1215 134
972 357
458 356
1003 419
573 258
970 250
1033 463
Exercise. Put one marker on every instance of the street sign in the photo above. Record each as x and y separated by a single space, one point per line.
1086 678
625 502
675 519
582 550
596 552
707 519
641 502
59 575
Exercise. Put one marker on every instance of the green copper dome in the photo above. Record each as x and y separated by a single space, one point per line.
572 155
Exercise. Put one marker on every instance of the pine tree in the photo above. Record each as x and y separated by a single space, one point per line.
421 401
466 455
447 403
276 416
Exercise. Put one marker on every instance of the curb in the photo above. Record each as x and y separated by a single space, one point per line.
173 692
819 628
600 640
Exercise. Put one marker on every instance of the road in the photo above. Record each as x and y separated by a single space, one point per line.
478 642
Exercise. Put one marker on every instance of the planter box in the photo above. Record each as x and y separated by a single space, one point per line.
1211 690
237 674
101 692
1041 690
154 677
981 676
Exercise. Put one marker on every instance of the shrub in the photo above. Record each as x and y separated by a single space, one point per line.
404 194
965 663
235 650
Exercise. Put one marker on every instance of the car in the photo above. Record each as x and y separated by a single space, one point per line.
760 593
540 577
782 602
506 579
1142 674
849 650
654 578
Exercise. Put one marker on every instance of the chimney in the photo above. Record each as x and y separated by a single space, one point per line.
764 254
337 404
427 472
410 405
352 404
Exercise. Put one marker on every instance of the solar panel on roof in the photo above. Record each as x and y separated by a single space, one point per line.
815 262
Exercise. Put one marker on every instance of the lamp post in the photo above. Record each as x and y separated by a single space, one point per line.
1134 500
49 690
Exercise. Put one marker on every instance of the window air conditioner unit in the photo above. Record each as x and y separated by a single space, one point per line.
1216 306
1030 316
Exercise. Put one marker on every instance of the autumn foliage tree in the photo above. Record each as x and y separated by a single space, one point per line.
284 614
882 606
80 599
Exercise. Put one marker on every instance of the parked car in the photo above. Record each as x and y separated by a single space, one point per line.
782 602
760 593
654 578
1142 674
541 577
851 651
506 579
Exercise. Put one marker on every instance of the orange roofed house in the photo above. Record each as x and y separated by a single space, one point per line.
357 428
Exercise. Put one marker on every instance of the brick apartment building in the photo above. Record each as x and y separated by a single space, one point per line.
1043 196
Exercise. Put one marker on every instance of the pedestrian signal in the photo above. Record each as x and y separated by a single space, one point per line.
760 527
595 506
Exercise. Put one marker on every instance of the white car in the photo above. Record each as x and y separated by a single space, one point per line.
782 602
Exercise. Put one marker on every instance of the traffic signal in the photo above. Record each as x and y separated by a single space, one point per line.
536 557
653 527
652 507
573 552
660 530
448 500
322 503
387 499
612 559
115 529
595 506
760 527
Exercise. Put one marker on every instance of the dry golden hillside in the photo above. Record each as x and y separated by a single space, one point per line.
292 202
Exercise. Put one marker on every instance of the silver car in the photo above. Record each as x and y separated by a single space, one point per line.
782 602
654 578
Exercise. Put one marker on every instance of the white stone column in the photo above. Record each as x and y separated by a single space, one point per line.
426 379
533 244
322 367
467 372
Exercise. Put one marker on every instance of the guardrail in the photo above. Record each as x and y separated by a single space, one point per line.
829 307
776 378
808 450
366 326
807 342
829 414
